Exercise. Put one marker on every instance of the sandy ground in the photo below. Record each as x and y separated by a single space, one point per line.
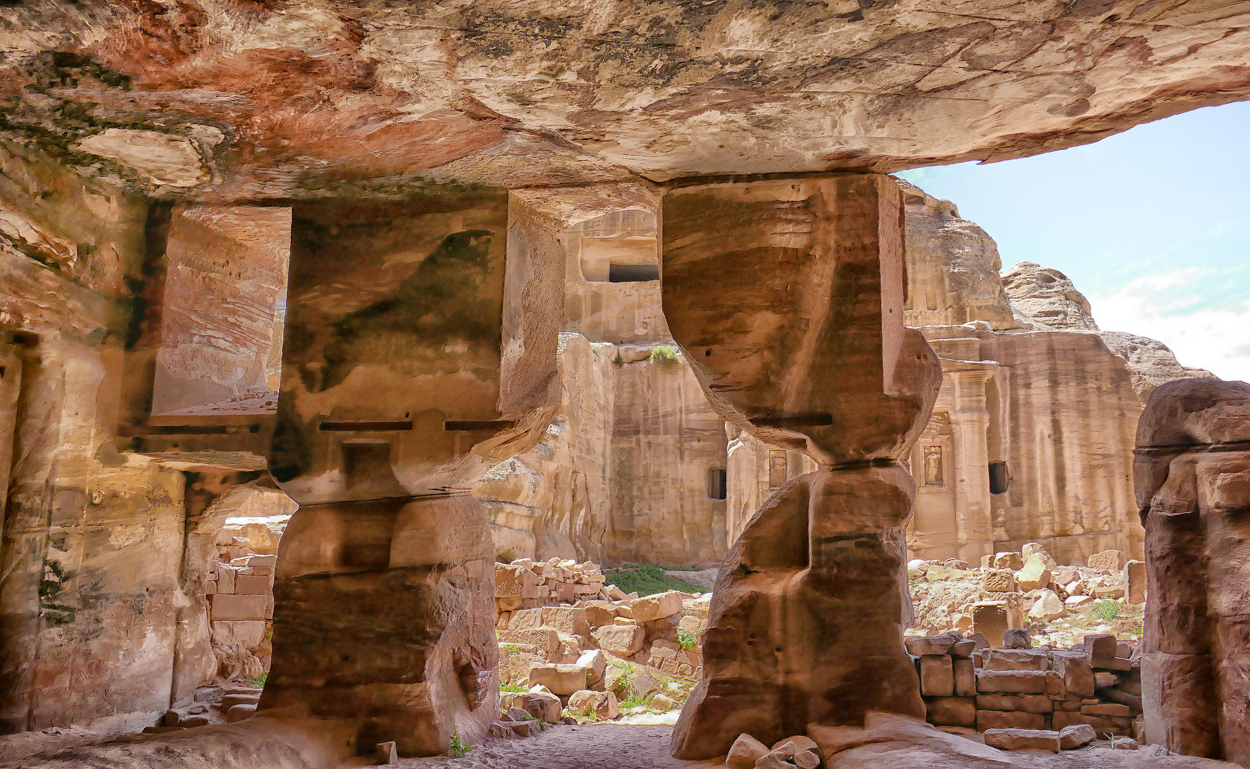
602 746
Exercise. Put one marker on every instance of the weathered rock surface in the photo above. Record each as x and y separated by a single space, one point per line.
795 558
1043 297
277 101
1007 383
952 267
1192 478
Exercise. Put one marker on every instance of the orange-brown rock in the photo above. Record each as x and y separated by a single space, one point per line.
1023 365
268 100
826 367
1192 476
417 357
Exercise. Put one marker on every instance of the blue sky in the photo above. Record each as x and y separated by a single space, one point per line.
1152 225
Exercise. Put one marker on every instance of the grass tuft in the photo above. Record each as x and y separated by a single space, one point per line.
663 353
1106 609
646 579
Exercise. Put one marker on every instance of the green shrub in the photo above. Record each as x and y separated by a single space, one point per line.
1106 609
624 690
509 686
685 638
663 353
646 579
258 680
457 749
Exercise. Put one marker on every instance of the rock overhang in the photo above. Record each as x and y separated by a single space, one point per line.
326 98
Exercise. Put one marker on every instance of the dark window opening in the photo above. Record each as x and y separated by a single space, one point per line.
999 478
633 273
717 483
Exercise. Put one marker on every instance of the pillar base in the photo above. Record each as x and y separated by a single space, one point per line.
382 616
806 623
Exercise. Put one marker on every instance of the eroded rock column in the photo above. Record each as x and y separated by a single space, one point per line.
1192 477
787 299
420 352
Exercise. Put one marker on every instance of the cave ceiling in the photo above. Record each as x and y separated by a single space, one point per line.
228 100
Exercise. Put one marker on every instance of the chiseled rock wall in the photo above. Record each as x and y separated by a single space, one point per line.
621 474
952 266
1029 381
226 272
92 538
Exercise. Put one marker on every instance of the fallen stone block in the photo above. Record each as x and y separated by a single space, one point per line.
566 619
1076 736
1017 638
596 663
240 712
1023 739
620 640
1107 560
745 752
559 679
1134 579
933 645
999 581
1007 560
602 705
1035 574
658 606
385 753
526 728
600 613
545 639
500 730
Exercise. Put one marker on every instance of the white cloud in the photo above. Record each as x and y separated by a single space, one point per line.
1170 307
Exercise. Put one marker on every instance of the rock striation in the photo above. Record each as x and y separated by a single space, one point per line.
240 101
850 388
1192 478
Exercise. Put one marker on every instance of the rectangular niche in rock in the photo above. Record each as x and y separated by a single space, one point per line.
1000 479
633 273
717 483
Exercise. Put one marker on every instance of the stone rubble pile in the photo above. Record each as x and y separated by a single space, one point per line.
239 586
1011 589
749 753
211 705
969 686
576 642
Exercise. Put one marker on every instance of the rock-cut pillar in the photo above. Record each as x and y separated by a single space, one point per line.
787 297
420 351
1192 480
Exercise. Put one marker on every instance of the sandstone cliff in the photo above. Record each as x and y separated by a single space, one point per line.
1032 436
952 267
